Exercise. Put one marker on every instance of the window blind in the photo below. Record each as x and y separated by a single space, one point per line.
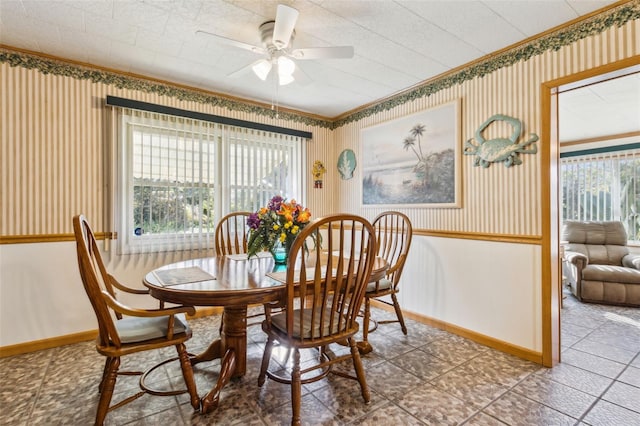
178 176
603 186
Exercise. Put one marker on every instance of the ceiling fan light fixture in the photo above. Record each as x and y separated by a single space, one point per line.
286 66
262 69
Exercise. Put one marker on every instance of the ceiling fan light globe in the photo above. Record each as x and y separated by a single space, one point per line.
286 66
262 69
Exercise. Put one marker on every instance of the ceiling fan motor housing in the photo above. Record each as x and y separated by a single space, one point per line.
266 36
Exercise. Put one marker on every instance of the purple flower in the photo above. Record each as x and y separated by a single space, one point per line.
274 204
253 221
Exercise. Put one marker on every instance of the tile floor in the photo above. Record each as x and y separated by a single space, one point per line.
428 377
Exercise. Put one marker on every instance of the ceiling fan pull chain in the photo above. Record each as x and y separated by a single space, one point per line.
274 97
275 81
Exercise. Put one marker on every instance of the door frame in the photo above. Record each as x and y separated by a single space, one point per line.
550 201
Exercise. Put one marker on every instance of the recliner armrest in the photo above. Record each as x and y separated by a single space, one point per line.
577 259
631 260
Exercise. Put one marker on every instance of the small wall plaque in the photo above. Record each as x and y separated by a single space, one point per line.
318 171
346 164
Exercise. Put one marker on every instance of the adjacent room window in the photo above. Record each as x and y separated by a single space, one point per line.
602 186
178 176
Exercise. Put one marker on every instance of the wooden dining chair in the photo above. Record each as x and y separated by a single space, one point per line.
123 330
393 233
322 298
231 237
231 234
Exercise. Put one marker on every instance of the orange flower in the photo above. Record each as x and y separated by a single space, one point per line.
304 216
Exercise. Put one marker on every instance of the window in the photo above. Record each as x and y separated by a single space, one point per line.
178 176
602 186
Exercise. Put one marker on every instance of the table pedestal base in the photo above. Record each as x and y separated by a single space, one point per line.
232 348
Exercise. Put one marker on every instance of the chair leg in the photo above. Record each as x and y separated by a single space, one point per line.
105 371
187 374
396 306
108 384
366 319
266 357
357 365
296 388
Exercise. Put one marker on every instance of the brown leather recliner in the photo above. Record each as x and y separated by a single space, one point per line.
598 264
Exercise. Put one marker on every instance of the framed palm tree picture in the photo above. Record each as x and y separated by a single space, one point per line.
413 161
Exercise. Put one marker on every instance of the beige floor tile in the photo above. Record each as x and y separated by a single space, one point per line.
555 395
631 376
593 363
515 409
624 395
433 406
607 414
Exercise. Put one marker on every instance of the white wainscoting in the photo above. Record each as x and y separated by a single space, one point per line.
490 288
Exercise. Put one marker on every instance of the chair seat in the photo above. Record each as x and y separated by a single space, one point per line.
383 284
140 329
279 321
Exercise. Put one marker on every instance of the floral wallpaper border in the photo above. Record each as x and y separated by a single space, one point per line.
617 16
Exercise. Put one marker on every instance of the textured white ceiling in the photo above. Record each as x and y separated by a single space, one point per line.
610 107
397 43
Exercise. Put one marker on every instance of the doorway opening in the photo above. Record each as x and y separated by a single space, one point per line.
552 130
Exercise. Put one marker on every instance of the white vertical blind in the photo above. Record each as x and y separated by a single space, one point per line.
603 187
179 176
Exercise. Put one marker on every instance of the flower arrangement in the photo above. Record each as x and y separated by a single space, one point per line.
276 224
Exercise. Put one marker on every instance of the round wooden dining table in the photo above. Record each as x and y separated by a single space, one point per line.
232 282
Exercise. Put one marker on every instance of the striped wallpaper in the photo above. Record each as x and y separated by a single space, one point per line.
56 139
56 130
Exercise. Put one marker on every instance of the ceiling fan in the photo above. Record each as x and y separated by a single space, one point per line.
277 47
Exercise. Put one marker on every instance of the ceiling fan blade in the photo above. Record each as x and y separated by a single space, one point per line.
231 42
333 52
286 18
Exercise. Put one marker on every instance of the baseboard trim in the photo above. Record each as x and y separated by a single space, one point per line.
491 342
69 339
54 342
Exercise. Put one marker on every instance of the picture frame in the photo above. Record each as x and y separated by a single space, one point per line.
413 161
